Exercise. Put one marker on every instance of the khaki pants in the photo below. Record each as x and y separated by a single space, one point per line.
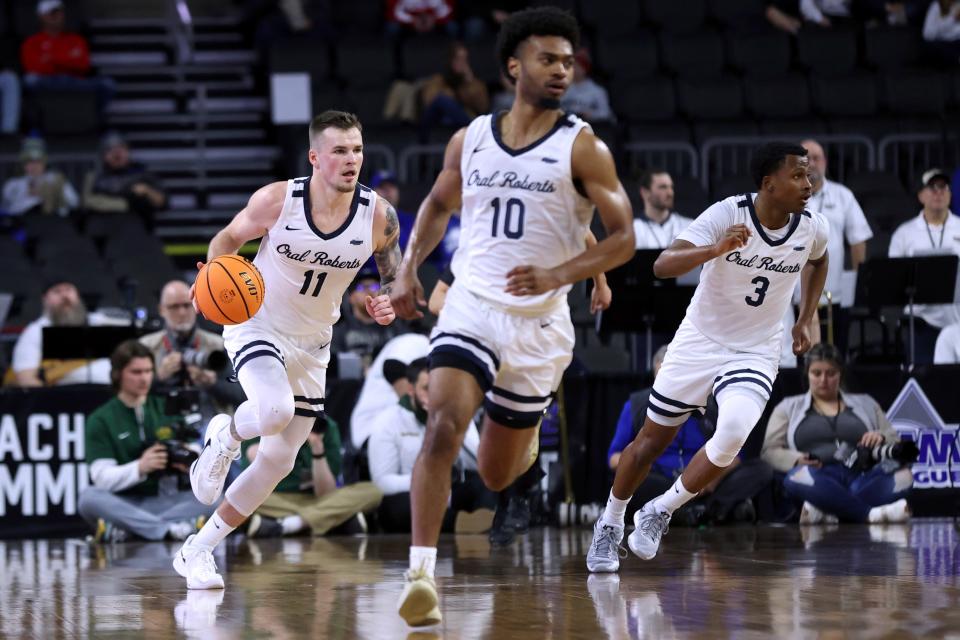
326 512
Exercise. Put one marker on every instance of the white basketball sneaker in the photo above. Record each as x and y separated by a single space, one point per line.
650 527
209 471
197 566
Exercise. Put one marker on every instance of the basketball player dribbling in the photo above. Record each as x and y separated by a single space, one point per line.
526 182
316 233
753 248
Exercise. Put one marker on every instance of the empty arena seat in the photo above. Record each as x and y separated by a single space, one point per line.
693 55
739 128
675 17
710 98
793 127
483 60
914 93
424 56
741 16
670 131
301 54
368 103
826 52
366 62
690 198
865 184
853 95
762 55
781 97
644 100
610 17
629 58
891 48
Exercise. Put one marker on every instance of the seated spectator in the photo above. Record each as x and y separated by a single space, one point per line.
420 16
39 189
191 357
387 186
357 331
935 231
455 96
394 446
385 383
585 97
308 498
941 31
121 185
947 350
727 499
136 488
56 59
826 13
62 307
658 225
830 445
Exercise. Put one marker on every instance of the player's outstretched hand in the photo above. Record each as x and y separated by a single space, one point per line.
600 298
193 295
406 295
733 238
380 309
529 281
801 339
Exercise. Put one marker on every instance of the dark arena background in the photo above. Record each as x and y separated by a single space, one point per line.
132 131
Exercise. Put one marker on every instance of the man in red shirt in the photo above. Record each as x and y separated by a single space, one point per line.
52 51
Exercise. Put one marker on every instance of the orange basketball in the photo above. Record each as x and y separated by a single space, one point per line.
229 290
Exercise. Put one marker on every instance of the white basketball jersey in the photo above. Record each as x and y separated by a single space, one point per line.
743 295
306 271
520 207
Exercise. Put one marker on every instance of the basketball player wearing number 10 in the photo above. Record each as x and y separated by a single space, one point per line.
316 233
526 182
753 248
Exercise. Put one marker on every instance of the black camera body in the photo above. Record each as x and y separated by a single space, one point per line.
176 439
864 458
215 360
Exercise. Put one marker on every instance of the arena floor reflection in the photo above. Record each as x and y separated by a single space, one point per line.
766 581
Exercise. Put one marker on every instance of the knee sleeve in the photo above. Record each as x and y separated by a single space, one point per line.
270 406
740 410
257 482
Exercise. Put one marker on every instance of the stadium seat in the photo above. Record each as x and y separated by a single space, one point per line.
367 103
67 112
357 18
610 18
739 128
424 56
628 59
827 52
483 61
853 95
645 100
690 198
363 62
710 98
672 131
763 55
697 55
731 186
785 96
740 16
875 127
866 184
914 93
301 54
793 127
891 48
675 17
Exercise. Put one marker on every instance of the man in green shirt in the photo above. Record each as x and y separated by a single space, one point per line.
308 498
130 491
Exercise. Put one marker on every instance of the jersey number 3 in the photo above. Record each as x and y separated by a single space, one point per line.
308 278
512 226
761 291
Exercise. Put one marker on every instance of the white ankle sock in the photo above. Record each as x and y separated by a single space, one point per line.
292 524
674 498
613 514
213 532
423 558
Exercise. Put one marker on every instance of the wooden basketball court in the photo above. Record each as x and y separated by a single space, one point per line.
753 582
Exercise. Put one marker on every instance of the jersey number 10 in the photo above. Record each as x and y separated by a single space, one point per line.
513 212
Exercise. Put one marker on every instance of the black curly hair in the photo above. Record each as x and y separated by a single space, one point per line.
769 158
537 21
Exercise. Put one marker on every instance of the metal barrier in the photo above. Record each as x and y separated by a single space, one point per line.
679 158
420 162
908 155
379 157
728 156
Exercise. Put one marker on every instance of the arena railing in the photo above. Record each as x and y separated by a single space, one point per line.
679 158
908 155
420 162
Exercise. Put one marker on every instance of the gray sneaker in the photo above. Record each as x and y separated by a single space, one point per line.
605 550
651 525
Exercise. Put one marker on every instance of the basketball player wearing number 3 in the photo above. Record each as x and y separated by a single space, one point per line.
526 183
754 248
316 233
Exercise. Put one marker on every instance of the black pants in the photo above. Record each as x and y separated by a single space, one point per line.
749 479
469 494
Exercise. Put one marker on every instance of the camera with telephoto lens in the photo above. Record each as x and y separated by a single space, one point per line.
861 458
215 360
179 440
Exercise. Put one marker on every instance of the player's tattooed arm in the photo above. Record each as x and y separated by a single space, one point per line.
388 254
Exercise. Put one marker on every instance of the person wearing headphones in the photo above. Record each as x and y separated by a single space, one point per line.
841 456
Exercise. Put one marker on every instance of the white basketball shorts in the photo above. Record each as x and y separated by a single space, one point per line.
518 361
695 366
305 359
